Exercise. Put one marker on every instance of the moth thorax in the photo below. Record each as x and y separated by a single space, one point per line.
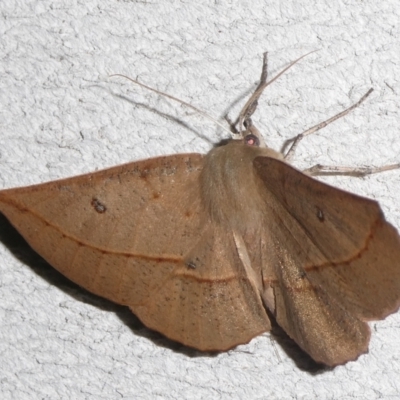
229 186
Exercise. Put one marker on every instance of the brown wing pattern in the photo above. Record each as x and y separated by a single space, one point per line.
137 235
336 259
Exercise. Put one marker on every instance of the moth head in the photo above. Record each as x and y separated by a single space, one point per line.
251 135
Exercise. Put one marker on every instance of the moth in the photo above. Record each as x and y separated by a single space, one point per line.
199 247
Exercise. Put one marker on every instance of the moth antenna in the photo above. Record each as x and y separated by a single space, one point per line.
184 103
251 103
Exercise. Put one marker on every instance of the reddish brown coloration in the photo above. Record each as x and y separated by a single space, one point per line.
198 246
191 277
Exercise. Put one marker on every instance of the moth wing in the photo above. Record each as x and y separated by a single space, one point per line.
138 235
336 261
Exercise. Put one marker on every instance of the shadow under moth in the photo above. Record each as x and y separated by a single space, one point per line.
200 246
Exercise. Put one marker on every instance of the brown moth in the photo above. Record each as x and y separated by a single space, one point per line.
200 246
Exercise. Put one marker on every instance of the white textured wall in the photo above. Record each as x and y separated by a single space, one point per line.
60 116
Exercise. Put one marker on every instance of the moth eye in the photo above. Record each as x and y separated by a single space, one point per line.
252 140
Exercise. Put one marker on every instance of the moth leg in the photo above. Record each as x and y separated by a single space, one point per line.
252 102
289 155
319 169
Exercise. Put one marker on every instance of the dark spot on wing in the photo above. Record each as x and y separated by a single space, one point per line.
320 215
191 265
98 206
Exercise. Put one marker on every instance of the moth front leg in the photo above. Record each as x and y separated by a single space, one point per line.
295 142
